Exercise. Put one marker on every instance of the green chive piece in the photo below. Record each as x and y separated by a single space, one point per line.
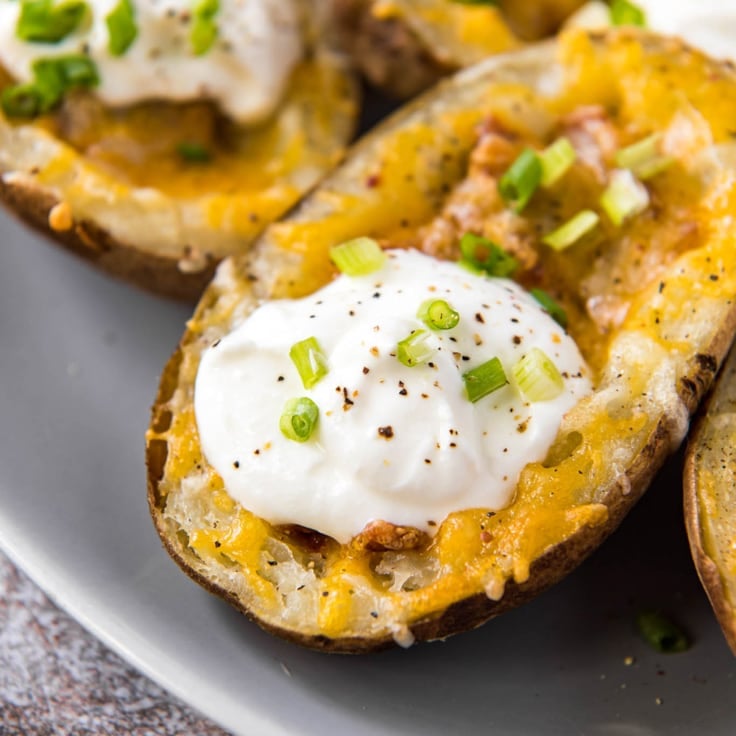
661 633
358 257
556 159
299 419
521 180
644 158
572 230
625 13
413 349
203 33
480 254
44 21
22 101
310 361
550 306
121 27
537 377
624 197
437 314
194 153
484 379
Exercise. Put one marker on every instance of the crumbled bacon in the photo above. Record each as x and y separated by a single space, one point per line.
593 136
379 536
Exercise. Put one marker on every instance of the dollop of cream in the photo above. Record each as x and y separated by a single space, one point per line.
245 72
393 443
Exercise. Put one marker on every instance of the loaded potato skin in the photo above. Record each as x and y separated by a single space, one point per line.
648 299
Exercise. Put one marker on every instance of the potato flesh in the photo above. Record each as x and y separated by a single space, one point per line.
672 312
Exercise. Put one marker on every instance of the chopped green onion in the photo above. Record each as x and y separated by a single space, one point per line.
309 360
481 254
661 633
521 180
121 27
625 13
203 33
358 257
44 21
194 153
556 159
624 197
22 101
572 230
484 379
437 314
299 419
550 306
537 377
644 158
413 349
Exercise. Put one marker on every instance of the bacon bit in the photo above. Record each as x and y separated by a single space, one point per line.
60 217
373 181
386 432
379 536
485 537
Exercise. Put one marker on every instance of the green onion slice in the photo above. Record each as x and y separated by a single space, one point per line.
537 377
22 101
484 379
194 153
480 254
624 197
437 314
625 13
644 158
550 306
309 360
45 21
661 633
121 27
556 159
358 257
413 349
203 33
299 419
521 180
572 230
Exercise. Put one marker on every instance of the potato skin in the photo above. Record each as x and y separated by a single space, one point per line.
272 270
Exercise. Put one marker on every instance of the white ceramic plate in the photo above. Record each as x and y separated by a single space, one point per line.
80 357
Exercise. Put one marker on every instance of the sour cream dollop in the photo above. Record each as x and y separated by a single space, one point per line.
393 443
256 47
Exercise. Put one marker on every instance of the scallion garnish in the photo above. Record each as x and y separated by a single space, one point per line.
661 633
521 180
537 377
194 153
437 314
481 254
572 230
309 360
299 419
550 306
22 101
624 197
625 13
121 27
45 21
644 158
413 349
484 379
358 257
203 33
556 159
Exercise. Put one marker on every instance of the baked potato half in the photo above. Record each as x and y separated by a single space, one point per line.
404 46
710 498
648 300
158 192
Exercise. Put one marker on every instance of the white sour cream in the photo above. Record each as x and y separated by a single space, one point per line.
444 454
245 71
708 24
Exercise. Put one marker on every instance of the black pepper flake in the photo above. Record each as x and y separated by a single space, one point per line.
347 401
325 593
479 318
216 343
366 370
218 544
661 286
427 461
374 614
425 396
713 277
376 294
352 313
256 452
516 339
280 378
386 432
236 464
272 563
403 392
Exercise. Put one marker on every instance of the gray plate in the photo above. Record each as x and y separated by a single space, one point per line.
80 361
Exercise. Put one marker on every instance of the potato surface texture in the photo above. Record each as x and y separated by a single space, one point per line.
649 305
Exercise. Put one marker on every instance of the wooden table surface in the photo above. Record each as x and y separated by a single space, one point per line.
57 679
